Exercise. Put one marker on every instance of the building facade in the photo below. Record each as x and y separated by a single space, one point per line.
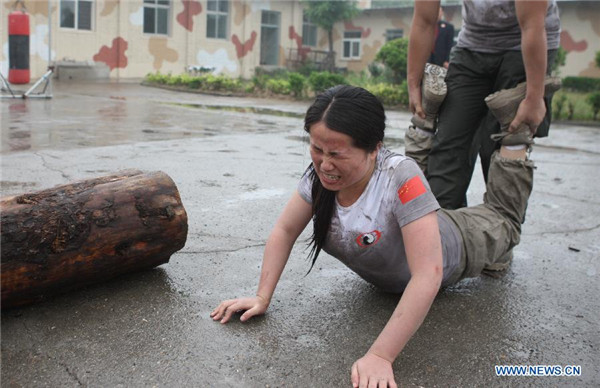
131 38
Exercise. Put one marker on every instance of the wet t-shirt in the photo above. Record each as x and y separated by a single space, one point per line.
366 236
491 26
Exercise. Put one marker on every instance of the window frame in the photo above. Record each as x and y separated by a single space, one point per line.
398 33
155 5
268 25
217 13
308 24
76 15
351 41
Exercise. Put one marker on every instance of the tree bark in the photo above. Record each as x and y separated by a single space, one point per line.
331 56
85 232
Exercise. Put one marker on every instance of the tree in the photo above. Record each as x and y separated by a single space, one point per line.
393 55
328 12
598 59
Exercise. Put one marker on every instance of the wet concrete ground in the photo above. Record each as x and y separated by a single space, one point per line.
235 170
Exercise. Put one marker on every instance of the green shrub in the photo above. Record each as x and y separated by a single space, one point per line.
559 103
278 86
597 58
375 69
394 55
320 81
157 78
570 110
361 79
307 68
172 80
581 84
221 82
260 81
297 82
390 94
594 100
196 83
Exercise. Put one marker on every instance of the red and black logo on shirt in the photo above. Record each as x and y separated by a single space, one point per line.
368 239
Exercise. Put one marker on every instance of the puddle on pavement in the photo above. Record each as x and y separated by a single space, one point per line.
242 109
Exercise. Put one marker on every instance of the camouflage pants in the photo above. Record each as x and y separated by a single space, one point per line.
490 230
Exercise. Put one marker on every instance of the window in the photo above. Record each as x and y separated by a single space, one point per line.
156 16
351 44
216 19
269 38
393 34
309 32
76 14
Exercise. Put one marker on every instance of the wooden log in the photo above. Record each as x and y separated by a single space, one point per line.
77 234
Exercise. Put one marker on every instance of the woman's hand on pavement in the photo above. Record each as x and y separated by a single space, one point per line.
256 305
372 371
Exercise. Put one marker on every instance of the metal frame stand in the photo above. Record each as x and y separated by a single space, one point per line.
6 87
44 93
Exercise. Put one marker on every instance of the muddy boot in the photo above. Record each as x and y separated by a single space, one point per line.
504 105
433 92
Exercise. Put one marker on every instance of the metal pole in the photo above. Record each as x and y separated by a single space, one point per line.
50 45
46 77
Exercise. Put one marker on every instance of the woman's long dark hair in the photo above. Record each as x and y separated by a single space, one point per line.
352 111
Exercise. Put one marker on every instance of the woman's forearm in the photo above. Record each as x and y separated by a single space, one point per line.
277 251
408 315
292 221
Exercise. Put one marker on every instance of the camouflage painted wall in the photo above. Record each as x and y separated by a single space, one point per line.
580 37
117 38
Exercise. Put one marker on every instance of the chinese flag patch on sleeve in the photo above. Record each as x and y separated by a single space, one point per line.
413 188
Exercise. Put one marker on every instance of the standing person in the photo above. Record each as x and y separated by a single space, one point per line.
374 211
501 44
444 40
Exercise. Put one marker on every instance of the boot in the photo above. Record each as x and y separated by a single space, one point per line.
433 92
504 105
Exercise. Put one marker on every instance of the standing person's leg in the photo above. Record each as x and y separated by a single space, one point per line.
449 166
511 71
483 146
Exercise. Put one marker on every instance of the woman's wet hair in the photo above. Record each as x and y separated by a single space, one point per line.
352 111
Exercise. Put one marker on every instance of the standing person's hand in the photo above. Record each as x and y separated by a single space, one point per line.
254 306
373 371
530 113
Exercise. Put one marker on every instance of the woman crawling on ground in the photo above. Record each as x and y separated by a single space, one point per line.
373 210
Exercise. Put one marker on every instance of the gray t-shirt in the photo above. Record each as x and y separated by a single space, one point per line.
491 26
366 236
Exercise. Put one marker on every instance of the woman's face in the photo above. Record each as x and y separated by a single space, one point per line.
340 165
